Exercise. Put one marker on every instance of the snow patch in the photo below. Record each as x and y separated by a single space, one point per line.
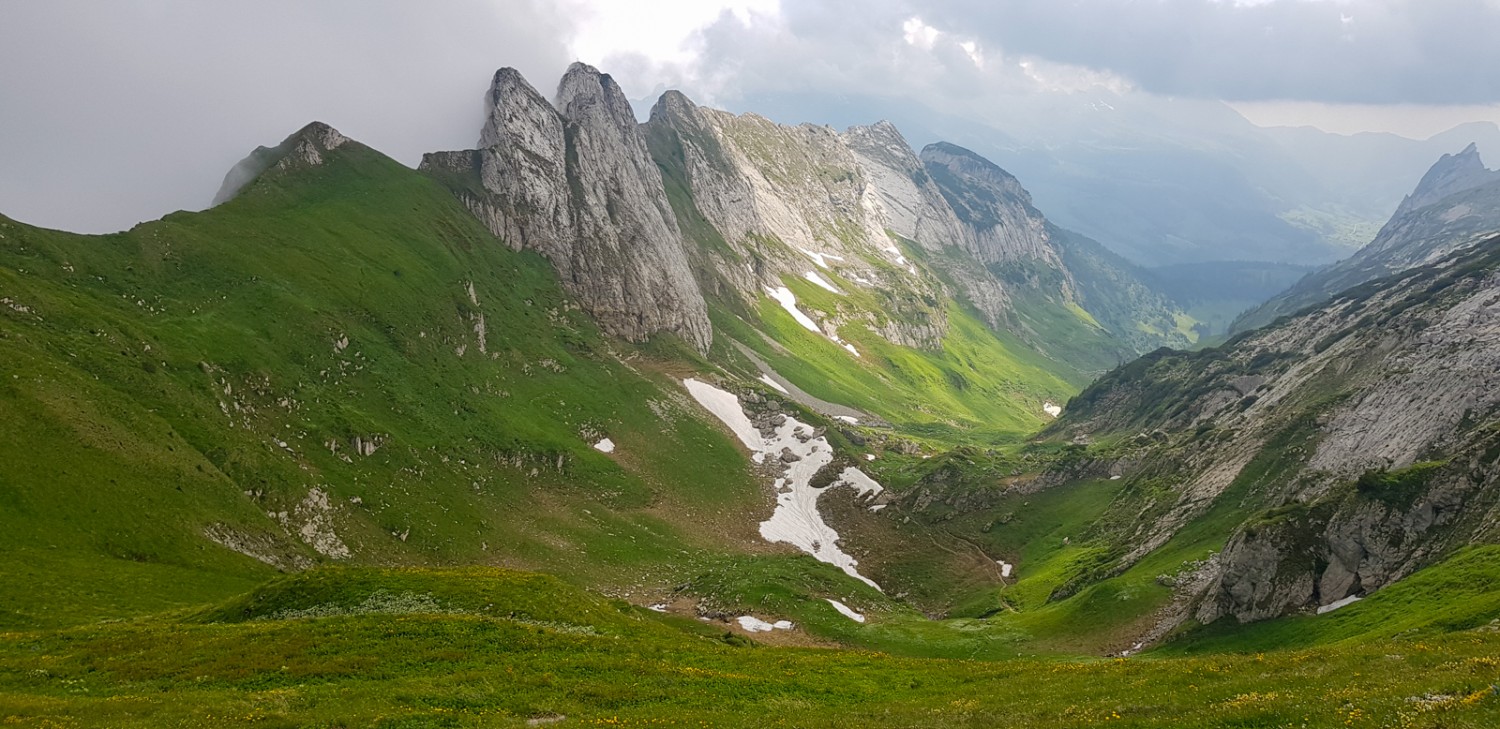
877 507
861 483
1005 567
845 610
821 259
726 407
820 282
774 384
1052 408
752 624
869 456
788 301
660 607
796 520
900 259
605 446
1336 604
847 419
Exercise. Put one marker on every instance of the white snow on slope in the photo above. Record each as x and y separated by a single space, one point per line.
845 610
796 520
1336 604
820 282
900 259
857 480
1005 567
774 384
605 446
847 419
726 407
1052 408
821 259
788 301
753 624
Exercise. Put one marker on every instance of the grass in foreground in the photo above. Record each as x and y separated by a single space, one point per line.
494 648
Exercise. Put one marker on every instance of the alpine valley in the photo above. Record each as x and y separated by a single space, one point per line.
715 421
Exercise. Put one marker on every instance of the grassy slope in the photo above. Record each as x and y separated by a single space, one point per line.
982 386
148 380
486 648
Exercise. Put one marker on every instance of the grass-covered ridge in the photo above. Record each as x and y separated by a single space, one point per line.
339 356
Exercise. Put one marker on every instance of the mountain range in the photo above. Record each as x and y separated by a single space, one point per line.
607 421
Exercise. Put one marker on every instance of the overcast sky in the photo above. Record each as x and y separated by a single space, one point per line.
120 111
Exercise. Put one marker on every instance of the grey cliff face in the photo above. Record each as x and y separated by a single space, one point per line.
576 183
997 210
790 202
1370 422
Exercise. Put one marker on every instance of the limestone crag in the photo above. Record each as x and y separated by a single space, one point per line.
1359 440
576 183
914 207
790 201
1003 224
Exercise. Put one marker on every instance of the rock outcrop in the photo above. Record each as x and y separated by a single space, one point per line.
790 202
1358 442
576 183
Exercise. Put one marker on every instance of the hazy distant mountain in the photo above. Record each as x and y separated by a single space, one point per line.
1456 204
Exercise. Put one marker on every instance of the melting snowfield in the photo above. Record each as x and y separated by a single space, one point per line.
1052 408
845 610
752 624
821 282
1336 604
788 301
799 455
774 384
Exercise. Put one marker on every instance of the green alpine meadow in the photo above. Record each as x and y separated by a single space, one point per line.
645 412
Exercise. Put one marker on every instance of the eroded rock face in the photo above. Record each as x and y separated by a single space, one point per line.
1002 223
790 201
1359 439
576 183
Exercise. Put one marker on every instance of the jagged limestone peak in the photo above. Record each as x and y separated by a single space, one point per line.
517 113
574 180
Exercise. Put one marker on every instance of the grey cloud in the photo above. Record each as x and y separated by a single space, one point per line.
1369 51
1366 51
115 112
